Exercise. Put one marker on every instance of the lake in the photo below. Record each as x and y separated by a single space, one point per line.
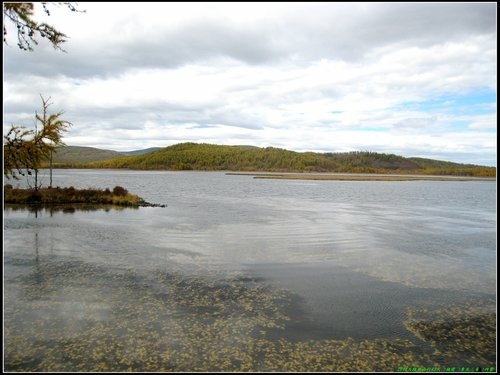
243 274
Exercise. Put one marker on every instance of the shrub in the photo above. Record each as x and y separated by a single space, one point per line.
119 191
34 197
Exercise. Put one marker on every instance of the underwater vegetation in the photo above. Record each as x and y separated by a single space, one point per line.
467 331
77 316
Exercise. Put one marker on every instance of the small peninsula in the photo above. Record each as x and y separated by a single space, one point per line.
119 196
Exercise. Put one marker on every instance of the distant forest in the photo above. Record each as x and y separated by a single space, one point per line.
209 157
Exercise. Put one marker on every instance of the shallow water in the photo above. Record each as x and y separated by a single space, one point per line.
248 264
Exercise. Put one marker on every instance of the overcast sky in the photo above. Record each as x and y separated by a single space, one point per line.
414 79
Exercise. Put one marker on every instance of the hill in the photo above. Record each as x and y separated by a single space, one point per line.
140 152
192 156
74 156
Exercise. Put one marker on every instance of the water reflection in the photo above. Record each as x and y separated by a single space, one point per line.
64 208
241 274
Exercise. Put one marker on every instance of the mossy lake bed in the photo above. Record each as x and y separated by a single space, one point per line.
242 274
78 316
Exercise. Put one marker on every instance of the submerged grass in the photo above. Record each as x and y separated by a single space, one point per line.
467 331
76 316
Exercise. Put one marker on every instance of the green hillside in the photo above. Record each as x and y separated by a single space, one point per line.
441 167
192 156
431 163
75 155
369 162
140 152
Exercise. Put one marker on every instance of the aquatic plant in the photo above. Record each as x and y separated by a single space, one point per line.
464 333
76 316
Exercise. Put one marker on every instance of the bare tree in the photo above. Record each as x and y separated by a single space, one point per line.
22 16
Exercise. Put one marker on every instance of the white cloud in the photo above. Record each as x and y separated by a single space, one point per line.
483 122
320 76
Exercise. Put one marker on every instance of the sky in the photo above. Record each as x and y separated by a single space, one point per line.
413 79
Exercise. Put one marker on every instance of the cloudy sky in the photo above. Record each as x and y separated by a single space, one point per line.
415 79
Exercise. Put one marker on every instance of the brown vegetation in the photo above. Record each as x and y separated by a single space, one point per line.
118 196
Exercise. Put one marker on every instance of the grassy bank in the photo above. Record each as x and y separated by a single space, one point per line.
118 196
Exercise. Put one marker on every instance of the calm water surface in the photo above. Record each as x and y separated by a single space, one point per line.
351 257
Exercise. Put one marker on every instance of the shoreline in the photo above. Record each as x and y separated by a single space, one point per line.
303 175
357 177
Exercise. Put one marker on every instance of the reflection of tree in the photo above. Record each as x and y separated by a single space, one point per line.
37 259
37 246
37 210
37 272
38 277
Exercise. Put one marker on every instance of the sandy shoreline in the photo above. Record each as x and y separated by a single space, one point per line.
358 177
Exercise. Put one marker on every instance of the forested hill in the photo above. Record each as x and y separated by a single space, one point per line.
193 156
69 155
74 156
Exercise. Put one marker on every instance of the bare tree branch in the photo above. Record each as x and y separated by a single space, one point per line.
22 16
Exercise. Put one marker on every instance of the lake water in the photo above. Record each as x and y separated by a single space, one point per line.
239 273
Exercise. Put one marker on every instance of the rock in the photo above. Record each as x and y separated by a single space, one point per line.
148 204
